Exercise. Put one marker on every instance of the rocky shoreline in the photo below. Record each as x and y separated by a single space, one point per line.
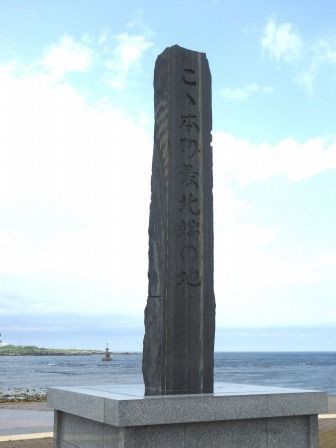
18 396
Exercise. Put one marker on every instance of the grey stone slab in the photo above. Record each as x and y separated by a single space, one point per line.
119 390
294 431
245 417
197 409
89 434
57 417
63 444
251 434
220 388
113 437
78 401
80 432
268 405
84 433
66 427
160 411
313 430
289 432
136 391
154 437
284 432
233 402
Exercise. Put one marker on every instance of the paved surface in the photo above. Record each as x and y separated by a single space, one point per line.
34 436
24 421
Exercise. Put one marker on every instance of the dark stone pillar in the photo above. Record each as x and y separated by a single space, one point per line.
180 313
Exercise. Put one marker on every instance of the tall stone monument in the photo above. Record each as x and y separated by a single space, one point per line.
180 312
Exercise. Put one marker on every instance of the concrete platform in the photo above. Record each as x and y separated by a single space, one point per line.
234 416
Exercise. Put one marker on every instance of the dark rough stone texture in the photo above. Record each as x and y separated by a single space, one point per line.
180 312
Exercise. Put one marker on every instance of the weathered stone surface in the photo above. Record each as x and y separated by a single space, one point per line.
235 416
180 311
126 406
283 432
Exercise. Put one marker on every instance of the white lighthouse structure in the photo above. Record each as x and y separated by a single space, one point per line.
2 344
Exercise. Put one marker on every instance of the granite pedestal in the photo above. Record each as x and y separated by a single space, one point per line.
234 416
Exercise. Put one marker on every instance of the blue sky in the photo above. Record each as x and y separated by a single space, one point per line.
76 107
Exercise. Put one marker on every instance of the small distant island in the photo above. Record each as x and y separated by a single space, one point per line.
32 350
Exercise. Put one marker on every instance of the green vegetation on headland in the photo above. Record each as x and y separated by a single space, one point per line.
32 350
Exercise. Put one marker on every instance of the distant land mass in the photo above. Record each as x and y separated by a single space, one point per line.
32 350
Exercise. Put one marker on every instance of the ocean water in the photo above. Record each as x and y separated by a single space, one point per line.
300 370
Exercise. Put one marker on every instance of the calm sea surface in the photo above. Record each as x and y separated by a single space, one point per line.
302 370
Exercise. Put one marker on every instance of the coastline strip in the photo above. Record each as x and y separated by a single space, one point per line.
37 435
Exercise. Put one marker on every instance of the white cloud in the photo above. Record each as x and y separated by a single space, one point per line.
254 261
281 41
243 93
126 55
247 162
103 38
323 54
74 192
118 57
62 164
74 205
67 56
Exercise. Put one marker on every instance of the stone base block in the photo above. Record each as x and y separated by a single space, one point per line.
235 416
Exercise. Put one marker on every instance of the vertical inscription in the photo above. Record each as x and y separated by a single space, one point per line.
188 269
